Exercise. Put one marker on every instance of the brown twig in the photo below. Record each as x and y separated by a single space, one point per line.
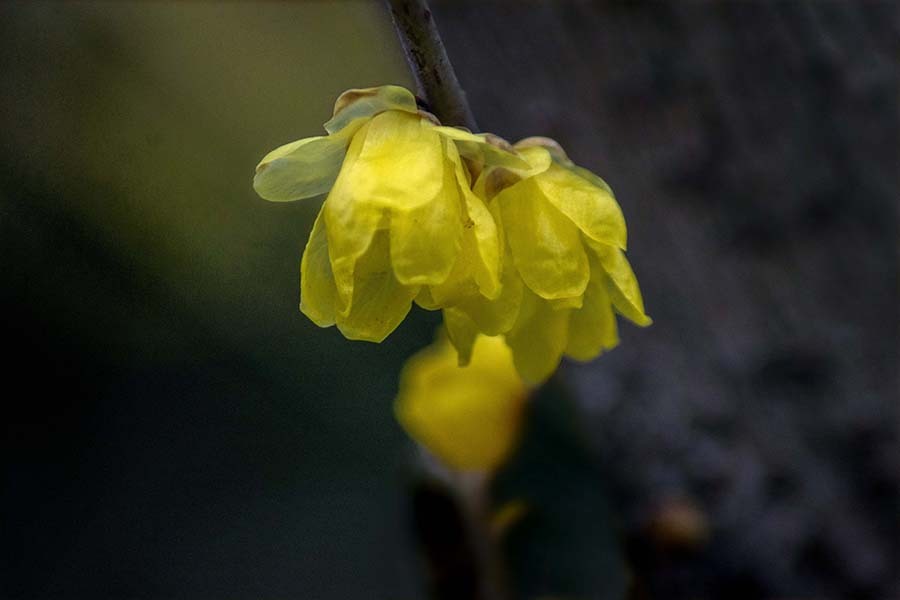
435 78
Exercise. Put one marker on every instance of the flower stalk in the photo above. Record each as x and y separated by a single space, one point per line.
473 489
436 80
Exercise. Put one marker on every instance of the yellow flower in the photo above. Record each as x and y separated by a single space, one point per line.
507 240
469 417
400 220
564 271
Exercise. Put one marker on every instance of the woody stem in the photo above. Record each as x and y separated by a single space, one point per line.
435 78
473 491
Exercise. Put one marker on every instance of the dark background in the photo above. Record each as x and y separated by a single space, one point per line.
173 427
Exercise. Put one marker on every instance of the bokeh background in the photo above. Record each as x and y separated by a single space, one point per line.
174 427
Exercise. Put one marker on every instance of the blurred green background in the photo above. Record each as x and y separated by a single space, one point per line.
179 427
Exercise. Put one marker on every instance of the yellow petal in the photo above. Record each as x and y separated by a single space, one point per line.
546 246
560 158
460 283
623 286
493 179
462 332
379 303
350 221
477 147
426 300
469 417
353 105
556 151
318 294
463 281
591 177
538 159
574 302
400 164
482 232
425 239
593 209
476 270
592 328
494 317
538 339
301 169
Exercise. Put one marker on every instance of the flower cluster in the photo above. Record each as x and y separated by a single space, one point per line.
505 240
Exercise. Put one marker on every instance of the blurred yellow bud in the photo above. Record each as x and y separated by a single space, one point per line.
468 417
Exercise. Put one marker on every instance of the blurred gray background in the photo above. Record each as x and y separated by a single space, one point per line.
174 427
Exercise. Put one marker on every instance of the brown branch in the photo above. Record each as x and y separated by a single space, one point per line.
435 78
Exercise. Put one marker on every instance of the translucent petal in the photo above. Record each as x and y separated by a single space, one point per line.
425 239
301 169
494 317
592 328
462 333
623 286
366 103
478 148
350 221
476 270
380 302
538 339
555 151
481 229
426 300
460 283
400 165
559 157
593 209
493 179
470 417
538 159
318 294
459 134
574 302
591 177
546 246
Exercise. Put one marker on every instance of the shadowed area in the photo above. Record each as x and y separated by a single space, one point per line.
178 428
753 148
